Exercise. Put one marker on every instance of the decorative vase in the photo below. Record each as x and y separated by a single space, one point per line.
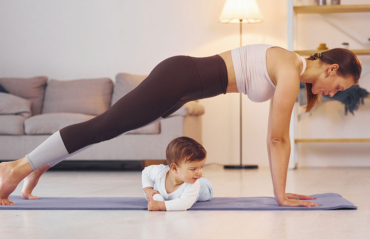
322 47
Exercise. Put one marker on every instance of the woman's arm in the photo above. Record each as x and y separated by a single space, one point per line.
278 141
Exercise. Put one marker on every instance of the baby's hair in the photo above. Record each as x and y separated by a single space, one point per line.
184 149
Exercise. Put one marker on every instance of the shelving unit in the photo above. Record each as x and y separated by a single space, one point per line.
332 140
332 9
292 15
310 52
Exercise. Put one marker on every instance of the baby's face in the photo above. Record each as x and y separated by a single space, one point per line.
190 172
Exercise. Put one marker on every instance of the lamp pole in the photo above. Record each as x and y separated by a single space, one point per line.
241 31
241 102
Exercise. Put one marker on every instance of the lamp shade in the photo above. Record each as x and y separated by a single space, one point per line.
245 10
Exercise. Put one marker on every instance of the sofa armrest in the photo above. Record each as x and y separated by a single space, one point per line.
177 126
192 108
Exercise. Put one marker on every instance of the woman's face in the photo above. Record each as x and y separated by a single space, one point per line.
329 82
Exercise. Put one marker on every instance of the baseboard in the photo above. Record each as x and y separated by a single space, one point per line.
104 165
155 162
98 165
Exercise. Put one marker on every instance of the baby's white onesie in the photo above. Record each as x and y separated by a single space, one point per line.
182 199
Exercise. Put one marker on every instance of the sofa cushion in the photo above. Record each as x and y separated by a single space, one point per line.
85 96
148 129
28 88
12 124
14 105
51 123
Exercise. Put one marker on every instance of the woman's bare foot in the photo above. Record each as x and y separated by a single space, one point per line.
11 174
31 181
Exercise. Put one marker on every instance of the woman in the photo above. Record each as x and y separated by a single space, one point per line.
261 71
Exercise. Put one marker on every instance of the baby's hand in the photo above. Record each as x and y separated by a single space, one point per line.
149 194
156 206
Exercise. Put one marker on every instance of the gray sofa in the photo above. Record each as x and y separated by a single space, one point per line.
37 107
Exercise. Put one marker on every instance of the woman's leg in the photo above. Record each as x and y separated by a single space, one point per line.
166 85
170 81
30 182
171 84
206 190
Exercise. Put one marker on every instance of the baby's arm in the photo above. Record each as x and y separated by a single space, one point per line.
184 202
156 206
149 192
148 179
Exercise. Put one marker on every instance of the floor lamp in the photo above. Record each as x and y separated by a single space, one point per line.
241 11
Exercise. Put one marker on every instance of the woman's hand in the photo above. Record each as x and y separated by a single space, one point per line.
149 194
297 196
293 200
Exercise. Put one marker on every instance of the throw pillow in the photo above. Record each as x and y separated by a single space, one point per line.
14 105
85 96
28 88
3 90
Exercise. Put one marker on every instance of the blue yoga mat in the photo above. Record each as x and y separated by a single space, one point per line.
328 200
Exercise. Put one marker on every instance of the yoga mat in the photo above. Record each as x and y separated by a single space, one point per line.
328 200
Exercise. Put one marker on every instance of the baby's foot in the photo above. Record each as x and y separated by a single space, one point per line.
158 197
31 181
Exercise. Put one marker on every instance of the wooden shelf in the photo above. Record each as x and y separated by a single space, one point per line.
364 140
333 8
310 52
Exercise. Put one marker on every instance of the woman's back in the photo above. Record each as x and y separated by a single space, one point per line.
252 69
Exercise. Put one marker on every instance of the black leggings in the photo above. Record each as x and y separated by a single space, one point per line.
171 84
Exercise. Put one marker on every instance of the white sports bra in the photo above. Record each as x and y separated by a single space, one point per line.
251 74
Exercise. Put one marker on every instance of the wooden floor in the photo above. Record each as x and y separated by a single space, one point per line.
351 183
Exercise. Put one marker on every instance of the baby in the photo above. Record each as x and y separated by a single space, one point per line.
179 185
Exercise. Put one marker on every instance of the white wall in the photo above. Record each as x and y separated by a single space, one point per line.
96 38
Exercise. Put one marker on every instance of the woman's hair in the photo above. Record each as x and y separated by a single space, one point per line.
349 65
184 149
